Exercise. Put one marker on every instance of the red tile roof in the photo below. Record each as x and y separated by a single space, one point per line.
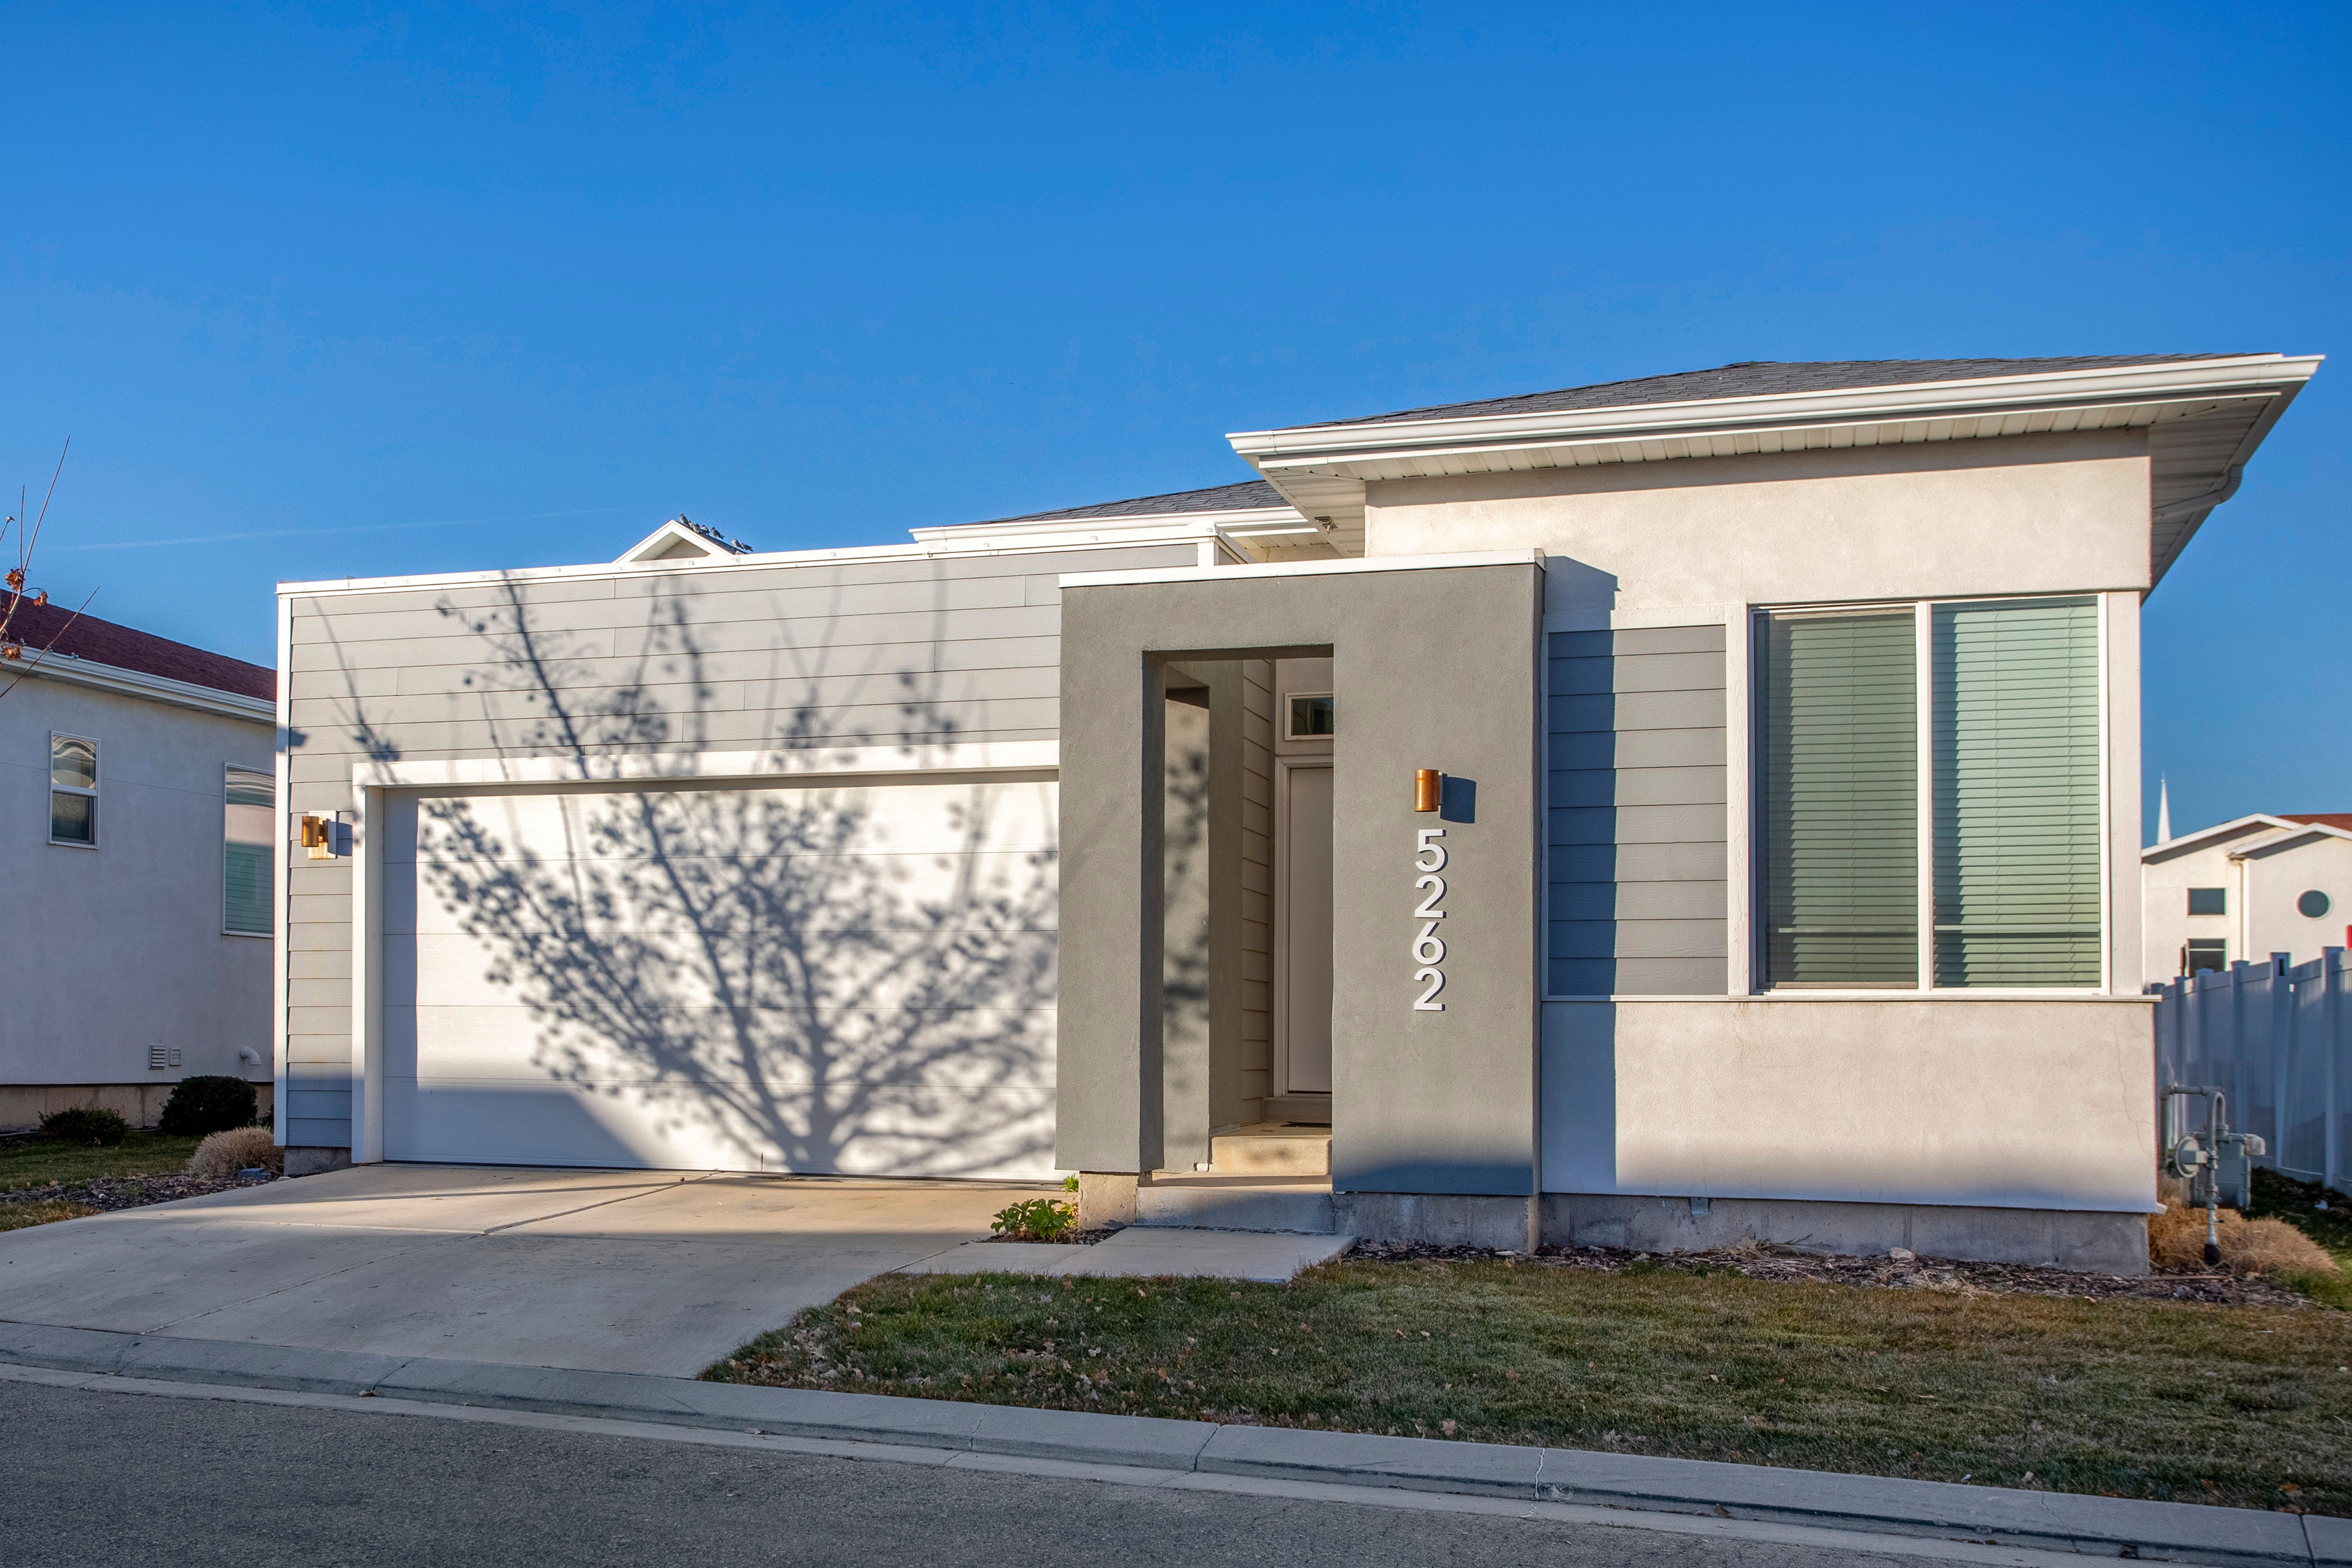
2324 818
85 637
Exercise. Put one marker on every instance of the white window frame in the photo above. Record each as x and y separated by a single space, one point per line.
1924 611
98 773
227 769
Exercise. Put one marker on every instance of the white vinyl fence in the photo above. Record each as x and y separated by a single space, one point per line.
2278 1042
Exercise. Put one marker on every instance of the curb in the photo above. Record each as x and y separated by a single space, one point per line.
1991 1516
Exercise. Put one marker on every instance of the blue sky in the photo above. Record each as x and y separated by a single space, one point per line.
358 289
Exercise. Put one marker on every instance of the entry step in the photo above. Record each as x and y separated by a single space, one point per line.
1299 1204
1272 1149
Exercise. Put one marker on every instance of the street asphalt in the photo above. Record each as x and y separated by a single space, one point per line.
113 1480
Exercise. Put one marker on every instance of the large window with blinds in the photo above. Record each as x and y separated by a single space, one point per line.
1992 737
2016 726
1838 776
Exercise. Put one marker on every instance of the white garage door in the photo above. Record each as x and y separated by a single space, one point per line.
842 980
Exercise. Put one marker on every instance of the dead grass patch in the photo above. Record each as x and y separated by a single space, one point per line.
2134 1398
17 1216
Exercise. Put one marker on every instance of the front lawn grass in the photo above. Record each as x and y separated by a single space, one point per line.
2297 1202
2243 1405
38 1162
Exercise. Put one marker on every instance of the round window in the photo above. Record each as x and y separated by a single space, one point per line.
2312 903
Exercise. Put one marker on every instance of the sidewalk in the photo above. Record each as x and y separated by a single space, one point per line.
2106 1526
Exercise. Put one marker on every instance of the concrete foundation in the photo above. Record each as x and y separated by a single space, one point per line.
1106 1197
22 1105
1435 1219
302 1161
2096 1241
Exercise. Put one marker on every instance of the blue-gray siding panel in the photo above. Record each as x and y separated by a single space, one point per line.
1637 819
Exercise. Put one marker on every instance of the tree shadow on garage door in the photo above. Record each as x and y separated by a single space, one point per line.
792 972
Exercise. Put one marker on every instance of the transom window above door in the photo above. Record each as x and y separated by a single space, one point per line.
1311 717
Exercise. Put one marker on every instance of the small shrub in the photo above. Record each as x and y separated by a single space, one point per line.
87 1125
2176 1243
1038 1219
238 1148
208 1102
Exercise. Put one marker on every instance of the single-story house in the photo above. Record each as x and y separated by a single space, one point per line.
2245 889
1657 814
138 825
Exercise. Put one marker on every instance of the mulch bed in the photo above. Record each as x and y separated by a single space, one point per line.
1921 1273
111 1192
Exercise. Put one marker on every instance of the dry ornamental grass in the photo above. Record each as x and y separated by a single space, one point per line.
238 1148
2271 1247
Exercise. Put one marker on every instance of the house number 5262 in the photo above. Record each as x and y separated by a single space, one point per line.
1429 948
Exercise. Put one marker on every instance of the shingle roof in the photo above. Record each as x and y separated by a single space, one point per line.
1246 496
60 630
1758 378
2321 818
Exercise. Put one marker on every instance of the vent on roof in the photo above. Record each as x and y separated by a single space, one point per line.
683 539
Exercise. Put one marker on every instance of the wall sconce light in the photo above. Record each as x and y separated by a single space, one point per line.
1426 789
324 837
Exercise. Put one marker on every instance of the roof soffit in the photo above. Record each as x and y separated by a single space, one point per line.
2204 418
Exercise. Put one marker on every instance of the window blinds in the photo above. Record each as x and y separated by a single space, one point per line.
1839 814
248 843
2016 728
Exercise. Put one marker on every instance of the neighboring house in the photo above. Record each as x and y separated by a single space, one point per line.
1655 814
2261 885
136 843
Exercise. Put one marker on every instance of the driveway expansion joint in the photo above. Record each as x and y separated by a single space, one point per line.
2062 1522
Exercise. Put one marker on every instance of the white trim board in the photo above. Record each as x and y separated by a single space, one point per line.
829 764
1180 531
1529 557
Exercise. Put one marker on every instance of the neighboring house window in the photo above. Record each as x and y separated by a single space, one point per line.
2312 905
249 845
73 790
2204 953
2208 900
2011 849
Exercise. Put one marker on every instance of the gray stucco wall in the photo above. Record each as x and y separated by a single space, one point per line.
1636 826
1437 668
147 902
726 657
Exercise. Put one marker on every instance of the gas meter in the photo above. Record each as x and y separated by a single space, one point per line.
2211 1161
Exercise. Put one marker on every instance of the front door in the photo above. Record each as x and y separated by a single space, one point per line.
1305 922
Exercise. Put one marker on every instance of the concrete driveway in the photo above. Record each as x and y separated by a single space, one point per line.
600 1270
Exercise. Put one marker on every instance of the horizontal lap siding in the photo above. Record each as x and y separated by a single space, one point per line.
721 658
1636 820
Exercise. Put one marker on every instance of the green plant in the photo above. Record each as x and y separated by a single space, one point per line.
208 1102
85 1124
1070 1183
1038 1219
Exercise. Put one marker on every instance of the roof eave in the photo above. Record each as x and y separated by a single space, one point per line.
164 688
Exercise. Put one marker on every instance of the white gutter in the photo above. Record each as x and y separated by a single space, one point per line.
2252 375
161 688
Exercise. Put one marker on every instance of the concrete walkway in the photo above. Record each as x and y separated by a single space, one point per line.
602 1271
